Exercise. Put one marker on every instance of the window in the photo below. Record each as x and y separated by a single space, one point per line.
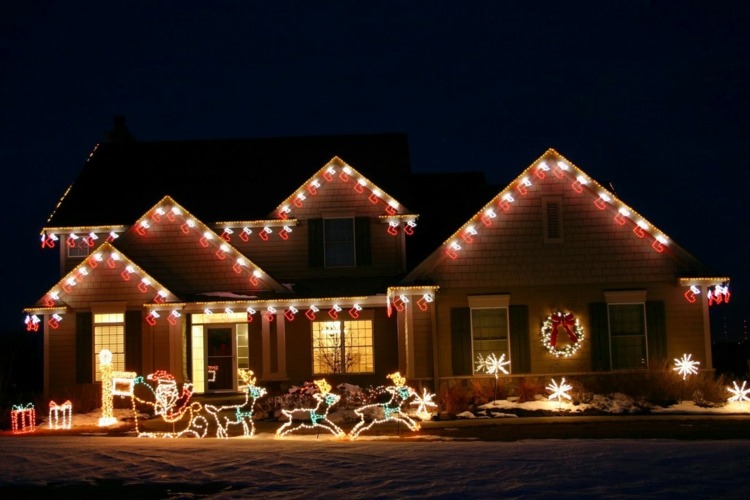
339 242
338 236
552 219
109 333
489 326
627 330
342 347
79 250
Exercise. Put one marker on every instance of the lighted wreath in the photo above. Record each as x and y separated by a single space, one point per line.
570 325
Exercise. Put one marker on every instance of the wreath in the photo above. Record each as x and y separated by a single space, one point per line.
571 326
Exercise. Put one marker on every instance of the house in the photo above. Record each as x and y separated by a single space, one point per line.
327 256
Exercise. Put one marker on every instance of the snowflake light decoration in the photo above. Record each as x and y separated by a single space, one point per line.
739 394
686 366
423 402
492 364
560 391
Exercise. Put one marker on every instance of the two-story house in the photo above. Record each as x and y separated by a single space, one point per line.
327 256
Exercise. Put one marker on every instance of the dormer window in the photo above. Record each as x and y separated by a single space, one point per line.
338 236
336 242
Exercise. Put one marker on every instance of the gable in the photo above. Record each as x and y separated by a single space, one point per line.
107 275
601 238
193 259
338 188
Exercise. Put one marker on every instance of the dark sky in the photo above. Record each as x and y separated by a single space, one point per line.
649 95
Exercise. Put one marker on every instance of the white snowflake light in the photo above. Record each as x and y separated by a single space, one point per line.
686 366
492 364
560 391
423 402
739 394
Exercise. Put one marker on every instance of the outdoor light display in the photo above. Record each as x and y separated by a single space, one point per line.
378 413
23 418
241 414
423 402
571 326
313 418
111 385
492 365
739 394
177 412
580 183
60 416
686 366
559 391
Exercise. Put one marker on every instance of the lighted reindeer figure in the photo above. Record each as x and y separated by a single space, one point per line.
172 406
390 410
241 414
317 417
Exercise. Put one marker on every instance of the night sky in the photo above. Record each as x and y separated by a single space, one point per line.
652 96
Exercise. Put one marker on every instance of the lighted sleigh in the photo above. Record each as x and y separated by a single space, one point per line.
172 412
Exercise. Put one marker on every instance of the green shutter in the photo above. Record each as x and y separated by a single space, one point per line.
84 348
133 341
315 243
520 347
362 242
461 341
599 334
656 332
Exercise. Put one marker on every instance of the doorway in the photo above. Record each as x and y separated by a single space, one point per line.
220 358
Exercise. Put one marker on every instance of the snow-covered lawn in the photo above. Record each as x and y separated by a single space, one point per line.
94 464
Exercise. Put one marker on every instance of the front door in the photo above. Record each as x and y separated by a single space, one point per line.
220 358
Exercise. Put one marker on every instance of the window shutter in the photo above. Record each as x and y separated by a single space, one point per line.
520 349
133 350
84 348
461 341
656 332
362 243
315 242
599 326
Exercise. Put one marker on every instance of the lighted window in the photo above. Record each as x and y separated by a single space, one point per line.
627 331
338 235
342 347
552 219
489 332
109 333
79 250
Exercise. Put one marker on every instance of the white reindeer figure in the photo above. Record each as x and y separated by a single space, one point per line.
241 414
318 416
390 410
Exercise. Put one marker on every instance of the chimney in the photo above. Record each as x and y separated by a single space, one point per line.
119 132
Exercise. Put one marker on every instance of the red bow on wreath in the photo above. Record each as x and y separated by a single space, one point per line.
566 320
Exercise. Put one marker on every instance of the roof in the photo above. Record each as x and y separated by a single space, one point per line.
218 179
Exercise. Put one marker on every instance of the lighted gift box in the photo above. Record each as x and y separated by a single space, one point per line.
23 418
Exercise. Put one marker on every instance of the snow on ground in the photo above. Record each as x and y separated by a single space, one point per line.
318 467
93 464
